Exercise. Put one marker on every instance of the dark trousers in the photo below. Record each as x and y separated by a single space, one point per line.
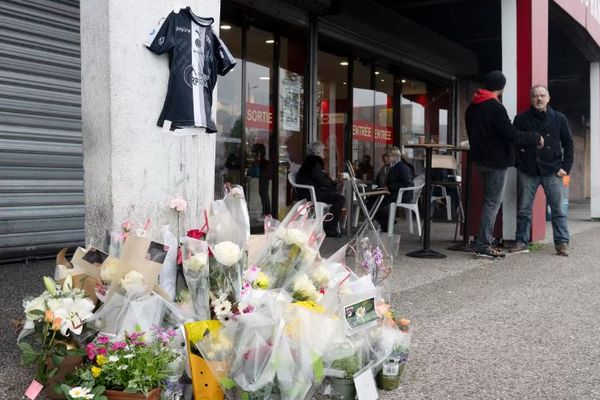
263 191
493 190
337 203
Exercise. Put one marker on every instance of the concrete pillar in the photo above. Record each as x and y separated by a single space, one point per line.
525 63
595 139
133 168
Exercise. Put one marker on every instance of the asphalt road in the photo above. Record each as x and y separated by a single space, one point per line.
526 327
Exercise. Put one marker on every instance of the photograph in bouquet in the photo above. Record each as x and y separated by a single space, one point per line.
361 313
95 256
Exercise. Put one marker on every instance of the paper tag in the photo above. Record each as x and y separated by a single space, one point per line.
391 367
166 125
34 390
365 385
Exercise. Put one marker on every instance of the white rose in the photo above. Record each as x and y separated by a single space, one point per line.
321 275
309 255
237 192
227 253
107 270
133 284
196 262
297 237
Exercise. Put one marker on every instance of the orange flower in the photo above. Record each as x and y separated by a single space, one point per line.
56 324
49 316
403 323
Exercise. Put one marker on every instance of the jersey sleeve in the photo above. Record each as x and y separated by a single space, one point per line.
225 60
162 38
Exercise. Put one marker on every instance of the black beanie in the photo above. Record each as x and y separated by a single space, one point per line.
495 80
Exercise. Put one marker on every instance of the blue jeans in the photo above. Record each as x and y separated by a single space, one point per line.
492 180
527 186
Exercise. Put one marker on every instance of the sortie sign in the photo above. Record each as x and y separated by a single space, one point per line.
259 116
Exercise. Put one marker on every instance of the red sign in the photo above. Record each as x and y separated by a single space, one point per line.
367 132
259 116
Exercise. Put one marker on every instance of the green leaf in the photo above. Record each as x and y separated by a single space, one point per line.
62 389
57 360
318 367
228 383
28 354
38 313
245 396
76 352
52 372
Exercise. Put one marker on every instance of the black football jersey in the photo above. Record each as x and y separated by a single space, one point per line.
196 56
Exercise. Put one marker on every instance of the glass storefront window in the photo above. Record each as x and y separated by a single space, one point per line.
363 121
258 123
332 108
229 115
291 116
383 130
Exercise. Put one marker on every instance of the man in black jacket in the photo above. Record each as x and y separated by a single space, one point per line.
547 167
491 139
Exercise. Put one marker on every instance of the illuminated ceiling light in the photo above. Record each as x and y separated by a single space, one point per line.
226 27
376 72
382 80
403 80
344 83
270 41
264 78
344 63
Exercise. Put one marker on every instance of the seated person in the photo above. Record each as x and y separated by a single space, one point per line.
365 169
312 172
381 178
400 176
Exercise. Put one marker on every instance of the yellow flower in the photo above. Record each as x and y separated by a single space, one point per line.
96 371
261 281
311 305
101 360
195 330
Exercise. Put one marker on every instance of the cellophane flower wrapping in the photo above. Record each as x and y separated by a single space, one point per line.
345 356
196 273
227 237
372 256
168 272
292 247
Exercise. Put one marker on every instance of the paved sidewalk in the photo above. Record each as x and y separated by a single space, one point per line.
525 327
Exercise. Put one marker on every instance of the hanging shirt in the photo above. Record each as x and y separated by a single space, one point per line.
196 56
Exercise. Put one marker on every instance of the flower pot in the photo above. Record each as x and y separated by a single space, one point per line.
389 376
66 367
119 395
343 388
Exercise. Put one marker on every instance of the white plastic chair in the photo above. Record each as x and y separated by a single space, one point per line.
410 207
320 207
445 161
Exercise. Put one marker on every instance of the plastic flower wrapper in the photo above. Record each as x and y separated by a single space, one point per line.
248 363
345 356
196 273
236 204
227 240
168 271
300 364
372 256
292 246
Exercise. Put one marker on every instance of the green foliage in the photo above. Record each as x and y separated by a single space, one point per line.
350 365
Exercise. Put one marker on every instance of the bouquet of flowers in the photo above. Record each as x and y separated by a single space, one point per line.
195 255
292 247
139 363
52 321
372 257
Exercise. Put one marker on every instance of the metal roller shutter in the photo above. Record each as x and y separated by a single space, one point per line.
41 156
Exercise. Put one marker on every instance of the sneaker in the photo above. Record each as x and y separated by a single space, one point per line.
489 252
562 250
519 248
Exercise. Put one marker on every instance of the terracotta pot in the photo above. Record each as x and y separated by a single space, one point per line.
119 395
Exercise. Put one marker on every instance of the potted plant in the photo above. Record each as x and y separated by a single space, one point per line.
54 322
347 361
391 372
136 367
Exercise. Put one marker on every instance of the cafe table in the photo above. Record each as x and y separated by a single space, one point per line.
426 252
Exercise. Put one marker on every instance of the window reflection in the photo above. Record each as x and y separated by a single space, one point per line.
363 113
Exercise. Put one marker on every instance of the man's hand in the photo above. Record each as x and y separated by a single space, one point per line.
540 145
561 172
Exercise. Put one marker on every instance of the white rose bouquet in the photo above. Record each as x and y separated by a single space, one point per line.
196 272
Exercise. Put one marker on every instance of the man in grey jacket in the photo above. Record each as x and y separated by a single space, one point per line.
546 167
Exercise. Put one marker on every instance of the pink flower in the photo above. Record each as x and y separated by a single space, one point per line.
178 204
91 350
118 346
102 339
127 225
134 335
102 350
